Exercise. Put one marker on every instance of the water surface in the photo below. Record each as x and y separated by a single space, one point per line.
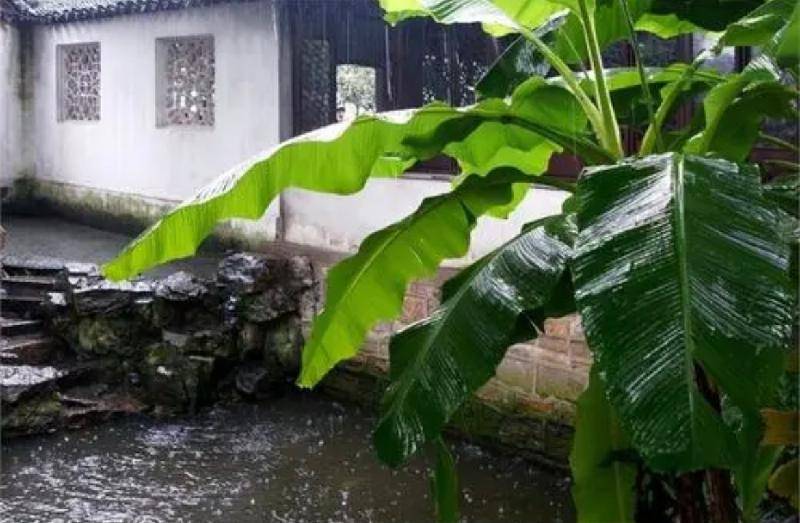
297 459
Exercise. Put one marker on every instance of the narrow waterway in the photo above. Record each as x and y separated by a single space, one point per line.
298 459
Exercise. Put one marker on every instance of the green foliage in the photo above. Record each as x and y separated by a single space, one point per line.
774 27
668 279
681 266
444 484
369 286
735 109
602 484
339 159
438 363
785 482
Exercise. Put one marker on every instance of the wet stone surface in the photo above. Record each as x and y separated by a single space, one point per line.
298 459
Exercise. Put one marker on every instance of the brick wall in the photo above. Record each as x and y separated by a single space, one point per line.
528 406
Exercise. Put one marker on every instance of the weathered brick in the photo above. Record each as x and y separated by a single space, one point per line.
558 327
517 368
560 381
553 344
579 352
414 308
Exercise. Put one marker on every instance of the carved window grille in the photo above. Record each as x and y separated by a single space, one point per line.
186 80
79 81
316 88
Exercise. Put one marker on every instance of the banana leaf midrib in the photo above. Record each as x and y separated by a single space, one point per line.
369 264
400 396
680 239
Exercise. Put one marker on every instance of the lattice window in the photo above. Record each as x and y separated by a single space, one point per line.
79 81
315 89
186 80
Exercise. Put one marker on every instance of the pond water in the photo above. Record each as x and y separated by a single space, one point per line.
297 459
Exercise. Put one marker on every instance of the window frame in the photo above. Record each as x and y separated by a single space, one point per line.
161 87
61 78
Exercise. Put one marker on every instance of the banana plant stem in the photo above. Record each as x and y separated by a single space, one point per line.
774 140
648 96
611 135
592 113
672 93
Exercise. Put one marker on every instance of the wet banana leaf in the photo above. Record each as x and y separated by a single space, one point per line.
498 17
773 27
713 15
438 362
519 62
734 111
602 485
785 191
444 484
680 264
756 462
369 287
340 158
501 17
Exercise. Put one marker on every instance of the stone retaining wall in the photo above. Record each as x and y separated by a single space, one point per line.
180 342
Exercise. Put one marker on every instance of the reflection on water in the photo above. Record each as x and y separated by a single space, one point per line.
300 459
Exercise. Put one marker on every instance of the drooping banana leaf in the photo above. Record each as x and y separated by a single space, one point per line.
501 17
785 191
369 287
438 362
773 27
713 15
519 62
735 109
339 159
752 470
681 265
498 17
602 484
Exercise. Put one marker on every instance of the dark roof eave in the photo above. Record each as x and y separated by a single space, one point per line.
30 16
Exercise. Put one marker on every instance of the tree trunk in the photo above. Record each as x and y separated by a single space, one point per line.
691 506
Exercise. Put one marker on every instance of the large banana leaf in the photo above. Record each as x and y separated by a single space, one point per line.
774 27
713 15
340 159
680 265
785 191
519 62
735 109
602 485
438 362
751 472
369 286
501 17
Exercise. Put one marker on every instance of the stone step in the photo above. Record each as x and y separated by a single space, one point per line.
26 285
10 327
14 266
19 381
22 305
27 350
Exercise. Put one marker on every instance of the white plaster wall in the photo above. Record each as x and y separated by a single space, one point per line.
11 143
341 222
124 151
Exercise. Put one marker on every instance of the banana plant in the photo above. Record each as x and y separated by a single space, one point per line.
679 261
